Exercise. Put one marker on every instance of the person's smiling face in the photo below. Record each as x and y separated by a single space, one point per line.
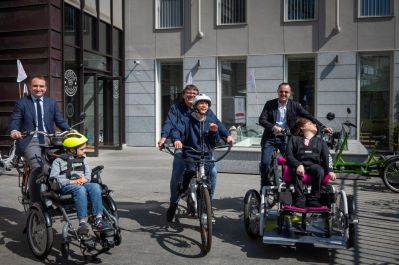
189 96
38 87
284 92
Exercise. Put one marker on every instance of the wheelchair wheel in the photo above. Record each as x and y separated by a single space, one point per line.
352 228
40 237
251 213
390 175
65 250
205 218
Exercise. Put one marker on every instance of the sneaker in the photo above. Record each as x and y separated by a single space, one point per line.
83 229
100 224
170 213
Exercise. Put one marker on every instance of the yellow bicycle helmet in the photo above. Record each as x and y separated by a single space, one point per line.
73 139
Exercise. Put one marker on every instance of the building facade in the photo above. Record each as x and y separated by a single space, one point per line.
336 54
78 47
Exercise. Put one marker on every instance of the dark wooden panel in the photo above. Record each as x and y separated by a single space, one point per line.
24 19
55 90
56 40
31 66
21 3
56 54
24 39
57 3
55 18
55 68
35 53
9 90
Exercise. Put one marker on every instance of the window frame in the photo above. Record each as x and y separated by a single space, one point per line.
157 17
219 15
315 18
359 8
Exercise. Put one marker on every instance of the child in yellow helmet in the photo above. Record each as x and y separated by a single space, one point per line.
74 174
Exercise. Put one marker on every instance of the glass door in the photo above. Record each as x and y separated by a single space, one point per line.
109 113
90 107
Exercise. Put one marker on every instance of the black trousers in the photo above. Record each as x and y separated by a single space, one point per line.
316 173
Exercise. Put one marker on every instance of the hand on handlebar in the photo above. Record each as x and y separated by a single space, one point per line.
277 130
328 130
230 140
178 144
16 134
213 127
332 176
161 141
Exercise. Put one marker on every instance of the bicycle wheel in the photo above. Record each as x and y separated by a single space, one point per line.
205 219
251 213
40 237
391 175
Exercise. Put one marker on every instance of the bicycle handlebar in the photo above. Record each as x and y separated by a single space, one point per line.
349 124
229 145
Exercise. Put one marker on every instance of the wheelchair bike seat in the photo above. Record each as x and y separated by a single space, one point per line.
306 179
293 208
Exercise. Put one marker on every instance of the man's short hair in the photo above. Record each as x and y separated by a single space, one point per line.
284 84
190 87
38 77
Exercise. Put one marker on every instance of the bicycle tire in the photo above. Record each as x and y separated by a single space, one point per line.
390 175
205 219
39 236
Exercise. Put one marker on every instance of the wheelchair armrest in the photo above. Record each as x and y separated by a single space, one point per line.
55 185
95 174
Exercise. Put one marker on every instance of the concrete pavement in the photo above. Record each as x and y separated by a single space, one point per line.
140 179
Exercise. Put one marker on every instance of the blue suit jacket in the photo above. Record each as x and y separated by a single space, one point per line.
24 119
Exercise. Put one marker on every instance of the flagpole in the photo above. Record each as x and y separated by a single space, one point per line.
19 89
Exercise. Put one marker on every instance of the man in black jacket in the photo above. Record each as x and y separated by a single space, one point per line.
278 115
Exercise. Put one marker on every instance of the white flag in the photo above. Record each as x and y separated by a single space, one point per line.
26 92
21 72
251 81
189 79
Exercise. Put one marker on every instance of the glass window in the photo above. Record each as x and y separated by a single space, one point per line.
299 10
374 98
104 38
375 8
117 17
301 76
117 43
234 93
171 84
95 61
169 14
231 12
71 25
105 10
89 32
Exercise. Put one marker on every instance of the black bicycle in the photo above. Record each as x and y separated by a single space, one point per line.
198 192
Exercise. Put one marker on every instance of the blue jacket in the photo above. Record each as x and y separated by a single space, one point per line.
196 134
179 114
24 119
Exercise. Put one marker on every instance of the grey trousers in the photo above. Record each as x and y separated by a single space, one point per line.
34 155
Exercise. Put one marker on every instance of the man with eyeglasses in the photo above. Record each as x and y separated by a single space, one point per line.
278 115
178 115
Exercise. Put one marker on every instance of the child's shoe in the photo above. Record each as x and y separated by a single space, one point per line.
83 228
100 224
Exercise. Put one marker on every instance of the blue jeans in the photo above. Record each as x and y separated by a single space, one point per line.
267 153
177 176
79 193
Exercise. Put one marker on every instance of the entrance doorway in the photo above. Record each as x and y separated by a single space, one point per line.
102 105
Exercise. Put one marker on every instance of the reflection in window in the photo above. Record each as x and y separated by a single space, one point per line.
301 76
234 93
170 13
300 10
375 8
71 25
171 84
374 98
231 11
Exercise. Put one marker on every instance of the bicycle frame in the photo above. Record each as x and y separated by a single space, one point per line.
371 166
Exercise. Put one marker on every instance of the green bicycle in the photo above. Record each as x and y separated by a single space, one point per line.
376 164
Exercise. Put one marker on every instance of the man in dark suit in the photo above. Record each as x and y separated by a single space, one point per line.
35 112
277 115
